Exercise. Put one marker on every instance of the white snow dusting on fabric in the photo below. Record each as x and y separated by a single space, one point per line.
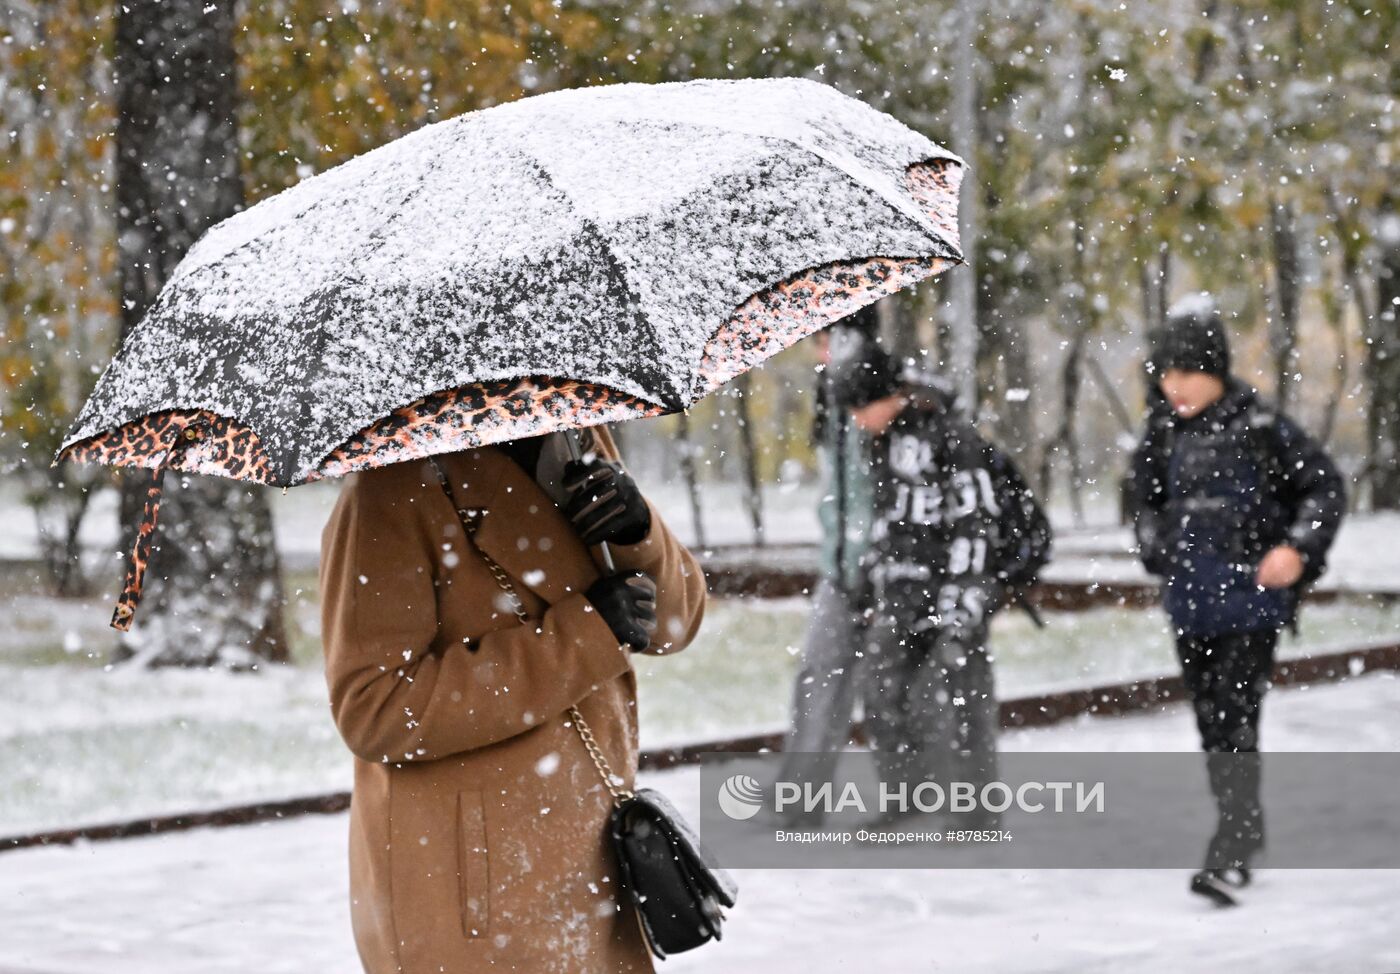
601 235
1199 304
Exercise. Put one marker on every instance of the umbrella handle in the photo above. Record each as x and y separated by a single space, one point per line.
125 611
571 438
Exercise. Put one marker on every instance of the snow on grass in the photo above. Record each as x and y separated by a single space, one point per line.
82 744
738 676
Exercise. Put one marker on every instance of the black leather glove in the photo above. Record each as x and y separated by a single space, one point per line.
605 504
627 603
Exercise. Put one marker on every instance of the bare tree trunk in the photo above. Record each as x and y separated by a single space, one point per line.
1147 288
1116 406
1383 370
753 496
1064 438
1335 302
622 434
1124 418
1284 321
1206 49
1154 279
1344 226
1017 428
214 587
1154 275
66 497
692 484
962 353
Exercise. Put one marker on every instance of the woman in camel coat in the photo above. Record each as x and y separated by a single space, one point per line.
477 824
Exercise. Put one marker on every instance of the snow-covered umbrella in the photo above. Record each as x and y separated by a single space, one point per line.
580 257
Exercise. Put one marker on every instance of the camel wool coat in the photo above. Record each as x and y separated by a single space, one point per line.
477 824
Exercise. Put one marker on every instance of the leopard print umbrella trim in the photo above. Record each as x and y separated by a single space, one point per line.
226 449
204 442
482 413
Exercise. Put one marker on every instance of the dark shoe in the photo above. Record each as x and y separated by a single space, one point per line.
1208 883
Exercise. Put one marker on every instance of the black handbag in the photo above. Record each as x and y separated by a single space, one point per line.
679 893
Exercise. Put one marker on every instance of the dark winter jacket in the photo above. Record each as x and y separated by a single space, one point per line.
1212 494
950 508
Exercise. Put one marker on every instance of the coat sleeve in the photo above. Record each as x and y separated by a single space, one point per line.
1318 495
402 690
1147 493
680 584
680 581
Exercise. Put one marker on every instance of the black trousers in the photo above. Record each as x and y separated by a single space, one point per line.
1227 677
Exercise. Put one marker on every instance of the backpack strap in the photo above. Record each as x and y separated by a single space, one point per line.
1261 436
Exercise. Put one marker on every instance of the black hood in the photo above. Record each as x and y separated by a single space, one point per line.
1193 338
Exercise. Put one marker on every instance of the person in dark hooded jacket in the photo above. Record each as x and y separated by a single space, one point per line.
1235 507
956 535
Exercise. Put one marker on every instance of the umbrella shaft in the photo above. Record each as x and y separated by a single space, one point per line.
571 437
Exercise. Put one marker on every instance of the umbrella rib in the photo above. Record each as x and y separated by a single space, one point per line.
922 222
613 266
346 277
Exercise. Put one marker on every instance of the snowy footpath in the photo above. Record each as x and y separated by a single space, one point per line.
271 898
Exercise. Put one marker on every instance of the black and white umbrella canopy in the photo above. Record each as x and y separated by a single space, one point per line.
576 257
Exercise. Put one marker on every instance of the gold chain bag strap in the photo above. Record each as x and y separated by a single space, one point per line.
471 520
677 889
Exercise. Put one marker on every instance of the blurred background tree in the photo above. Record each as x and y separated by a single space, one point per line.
58 285
1121 157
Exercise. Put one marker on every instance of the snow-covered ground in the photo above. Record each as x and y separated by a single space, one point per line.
80 744
272 897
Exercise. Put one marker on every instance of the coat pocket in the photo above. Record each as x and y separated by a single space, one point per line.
473 867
